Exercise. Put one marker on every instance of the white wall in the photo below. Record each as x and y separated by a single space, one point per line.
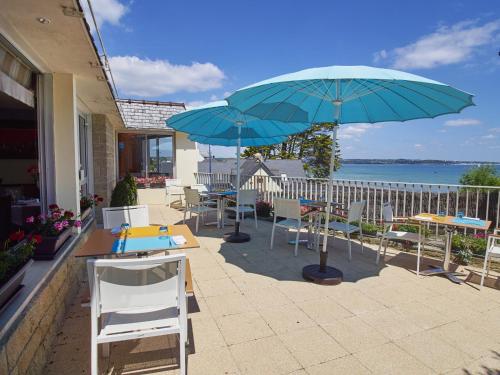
66 152
186 159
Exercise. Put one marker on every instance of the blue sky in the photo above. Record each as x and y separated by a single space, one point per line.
199 51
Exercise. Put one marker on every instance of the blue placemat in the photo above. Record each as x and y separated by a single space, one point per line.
469 221
306 201
143 244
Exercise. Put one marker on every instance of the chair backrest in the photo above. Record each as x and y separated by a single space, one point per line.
202 188
192 196
138 284
387 214
248 197
356 211
172 182
288 208
136 216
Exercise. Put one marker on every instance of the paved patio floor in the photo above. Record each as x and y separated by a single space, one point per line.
253 314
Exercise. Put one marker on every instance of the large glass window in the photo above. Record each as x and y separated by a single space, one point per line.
145 155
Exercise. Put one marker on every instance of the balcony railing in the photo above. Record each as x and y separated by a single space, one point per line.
407 199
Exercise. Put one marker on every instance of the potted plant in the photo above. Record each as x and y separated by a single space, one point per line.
55 229
87 203
15 259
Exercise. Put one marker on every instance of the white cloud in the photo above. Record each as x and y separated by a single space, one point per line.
149 78
355 131
447 45
462 122
489 136
105 11
418 146
494 130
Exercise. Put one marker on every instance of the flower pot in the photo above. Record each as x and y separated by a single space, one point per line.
49 246
85 214
12 287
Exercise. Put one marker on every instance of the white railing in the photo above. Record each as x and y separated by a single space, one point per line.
407 199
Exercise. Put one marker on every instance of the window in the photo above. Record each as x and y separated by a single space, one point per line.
84 162
145 155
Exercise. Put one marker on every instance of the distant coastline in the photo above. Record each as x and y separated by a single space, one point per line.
415 161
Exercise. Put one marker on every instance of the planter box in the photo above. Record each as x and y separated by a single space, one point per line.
10 289
85 215
51 245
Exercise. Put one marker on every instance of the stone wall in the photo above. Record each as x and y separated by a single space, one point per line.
26 347
104 145
143 114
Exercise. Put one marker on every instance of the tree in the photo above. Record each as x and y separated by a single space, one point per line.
313 147
484 175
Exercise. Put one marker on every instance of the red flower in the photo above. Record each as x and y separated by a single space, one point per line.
100 199
68 214
53 207
36 239
17 236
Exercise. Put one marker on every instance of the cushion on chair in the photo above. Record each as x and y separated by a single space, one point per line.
292 223
242 209
495 251
343 227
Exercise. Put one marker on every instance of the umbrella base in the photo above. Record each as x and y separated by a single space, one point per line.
236 237
328 276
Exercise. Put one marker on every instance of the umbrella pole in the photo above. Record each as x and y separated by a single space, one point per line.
237 236
323 274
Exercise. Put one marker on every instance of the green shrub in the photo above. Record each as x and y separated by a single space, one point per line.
475 244
132 184
463 256
124 193
411 229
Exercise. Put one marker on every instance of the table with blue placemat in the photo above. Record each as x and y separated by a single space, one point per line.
451 223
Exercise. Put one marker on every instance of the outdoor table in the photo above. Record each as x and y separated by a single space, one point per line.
312 242
220 196
451 223
102 243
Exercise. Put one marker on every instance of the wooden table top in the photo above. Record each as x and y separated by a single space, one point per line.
448 220
100 242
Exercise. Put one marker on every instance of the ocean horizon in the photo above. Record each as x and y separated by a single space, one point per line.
432 173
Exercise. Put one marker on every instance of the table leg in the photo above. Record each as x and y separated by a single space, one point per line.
447 255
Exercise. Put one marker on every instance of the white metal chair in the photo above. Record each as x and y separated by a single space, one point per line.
136 216
248 203
136 298
203 190
492 251
173 188
389 233
290 210
354 214
195 204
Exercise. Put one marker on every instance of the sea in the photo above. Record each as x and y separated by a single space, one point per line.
425 173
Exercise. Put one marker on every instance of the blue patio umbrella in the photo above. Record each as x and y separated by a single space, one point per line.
218 123
342 95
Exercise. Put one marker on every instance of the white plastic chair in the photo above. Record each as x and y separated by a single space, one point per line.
390 234
173 188
136 298
354 214
136 216
248 203
492 251
203 190
195 204
290 210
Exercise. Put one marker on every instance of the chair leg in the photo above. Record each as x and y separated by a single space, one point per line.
297 236
385 246
418 259
361 240
484 268
255 216
184 220
349 245
197 221
272 236
379 248
182 354
94 356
